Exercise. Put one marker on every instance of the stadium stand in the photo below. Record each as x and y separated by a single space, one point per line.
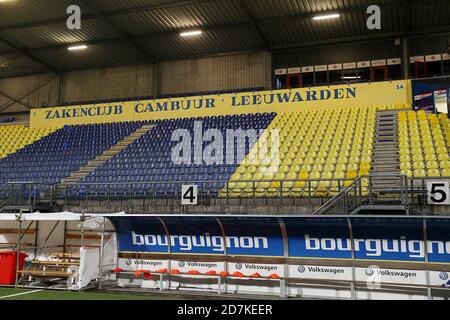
424 141
54 157
147 161
7 120
15 137
321 152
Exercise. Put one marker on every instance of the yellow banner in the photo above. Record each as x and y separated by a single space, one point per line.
354 95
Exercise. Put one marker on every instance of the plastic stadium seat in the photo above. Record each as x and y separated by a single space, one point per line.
423 137
433 173
419 173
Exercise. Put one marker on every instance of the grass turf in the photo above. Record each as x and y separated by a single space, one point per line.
66 295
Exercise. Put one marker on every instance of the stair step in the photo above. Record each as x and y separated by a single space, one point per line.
105 156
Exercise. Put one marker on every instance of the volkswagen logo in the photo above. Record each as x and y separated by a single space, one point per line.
443 275
181 264
128 262
369 271
238 266
301 269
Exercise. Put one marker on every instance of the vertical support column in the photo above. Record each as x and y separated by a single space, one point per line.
352 242
425 240
36 239
82 231
284 286
100 264
18 249
157 79
60 79
224 239
169 251
405 58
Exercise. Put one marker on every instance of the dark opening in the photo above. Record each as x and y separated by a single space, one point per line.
379 73
419 70
308 79
395 72
364 74
446 67
335 76
281 82
434 68
321 78
294 81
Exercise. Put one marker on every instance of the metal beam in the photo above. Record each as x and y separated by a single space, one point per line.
242 4
254 22
28 54
17 100
108 14
125 36
14 99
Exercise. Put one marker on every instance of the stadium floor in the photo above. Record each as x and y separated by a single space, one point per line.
34 294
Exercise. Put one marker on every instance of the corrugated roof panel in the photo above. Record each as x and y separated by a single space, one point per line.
57 34
212 41
18 12
15 64
95 55
113 5
225 23
187 16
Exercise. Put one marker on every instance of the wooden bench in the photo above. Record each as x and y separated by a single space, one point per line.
55 263
65 256
45 273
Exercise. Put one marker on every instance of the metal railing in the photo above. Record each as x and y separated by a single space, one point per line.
250 192
345 201
339 196
18 194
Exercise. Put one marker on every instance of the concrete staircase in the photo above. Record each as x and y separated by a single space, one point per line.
84 171
385 159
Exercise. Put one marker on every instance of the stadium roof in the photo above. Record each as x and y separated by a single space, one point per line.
34 37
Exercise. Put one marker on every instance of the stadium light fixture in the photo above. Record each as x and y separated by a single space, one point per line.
327 16
351 77
77 47
191 33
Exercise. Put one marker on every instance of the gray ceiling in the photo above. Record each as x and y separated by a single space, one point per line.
34 36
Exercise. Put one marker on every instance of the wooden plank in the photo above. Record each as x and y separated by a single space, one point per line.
15 243
56 263
79 246
38 273
15 231
65 255
86 236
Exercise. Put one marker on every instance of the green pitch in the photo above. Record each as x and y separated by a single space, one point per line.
35 294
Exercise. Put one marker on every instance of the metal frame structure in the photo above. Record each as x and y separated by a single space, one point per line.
336 196
286 282
18 247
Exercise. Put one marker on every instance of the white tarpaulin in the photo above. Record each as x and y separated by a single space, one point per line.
53 216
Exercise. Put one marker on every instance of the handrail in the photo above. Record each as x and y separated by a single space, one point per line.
333 201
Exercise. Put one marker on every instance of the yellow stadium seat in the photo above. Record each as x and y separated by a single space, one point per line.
432 165
419 173
445 164
433 173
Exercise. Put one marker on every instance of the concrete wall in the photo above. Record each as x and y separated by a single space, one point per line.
31 91
227 72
